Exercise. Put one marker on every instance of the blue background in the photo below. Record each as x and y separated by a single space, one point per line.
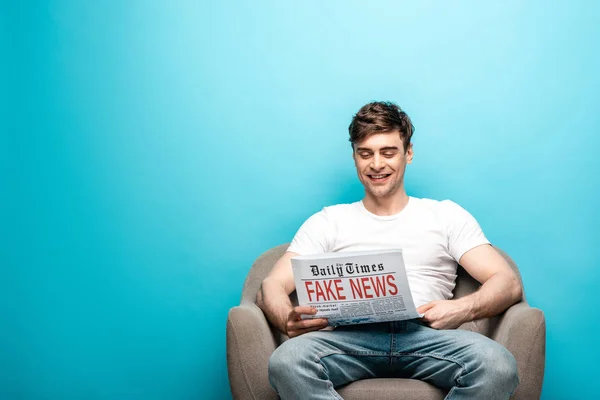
150 151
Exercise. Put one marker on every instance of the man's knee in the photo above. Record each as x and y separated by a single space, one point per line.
280 362
287 359
498 365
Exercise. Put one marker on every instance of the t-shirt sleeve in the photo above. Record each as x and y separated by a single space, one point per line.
464 232
312 237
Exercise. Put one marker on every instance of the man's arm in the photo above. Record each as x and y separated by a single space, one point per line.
273 298
500 289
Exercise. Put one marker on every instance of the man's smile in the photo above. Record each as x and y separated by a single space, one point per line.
378 178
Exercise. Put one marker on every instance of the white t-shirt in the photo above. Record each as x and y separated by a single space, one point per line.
433 236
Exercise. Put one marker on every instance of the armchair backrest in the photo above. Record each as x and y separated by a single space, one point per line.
259 271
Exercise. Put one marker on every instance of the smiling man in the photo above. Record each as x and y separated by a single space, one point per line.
435 237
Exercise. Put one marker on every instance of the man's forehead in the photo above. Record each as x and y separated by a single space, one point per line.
380 140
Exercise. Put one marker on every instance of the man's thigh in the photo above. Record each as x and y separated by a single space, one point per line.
344 355
442 357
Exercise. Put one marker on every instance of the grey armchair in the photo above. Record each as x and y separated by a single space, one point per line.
251 340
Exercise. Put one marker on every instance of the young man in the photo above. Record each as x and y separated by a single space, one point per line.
434 237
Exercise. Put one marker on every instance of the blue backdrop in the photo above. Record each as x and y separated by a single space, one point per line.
152 150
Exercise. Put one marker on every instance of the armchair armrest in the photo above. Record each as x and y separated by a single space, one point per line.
522 330
250 343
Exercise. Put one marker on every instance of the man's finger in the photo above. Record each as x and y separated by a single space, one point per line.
295 325
299 310
422 309
310 323
298 332
317 323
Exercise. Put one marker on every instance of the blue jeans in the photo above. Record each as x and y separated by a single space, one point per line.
466 364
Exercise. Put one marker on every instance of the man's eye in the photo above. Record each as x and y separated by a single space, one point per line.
389 155
365 155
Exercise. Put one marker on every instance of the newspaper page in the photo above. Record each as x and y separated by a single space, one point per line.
354 287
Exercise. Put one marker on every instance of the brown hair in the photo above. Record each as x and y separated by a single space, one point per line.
380 117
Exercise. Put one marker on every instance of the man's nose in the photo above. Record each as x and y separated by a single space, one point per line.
377 162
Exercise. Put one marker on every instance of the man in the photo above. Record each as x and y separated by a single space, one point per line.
434 237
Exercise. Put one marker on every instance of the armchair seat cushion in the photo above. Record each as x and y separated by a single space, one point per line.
391 389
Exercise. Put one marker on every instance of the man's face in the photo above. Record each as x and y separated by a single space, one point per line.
380 163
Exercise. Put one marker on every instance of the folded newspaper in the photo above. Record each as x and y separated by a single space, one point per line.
354 287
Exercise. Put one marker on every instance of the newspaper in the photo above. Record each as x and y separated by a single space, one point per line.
354 287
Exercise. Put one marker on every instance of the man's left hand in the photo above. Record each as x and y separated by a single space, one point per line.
444 314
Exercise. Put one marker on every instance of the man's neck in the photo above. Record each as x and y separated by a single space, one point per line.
384 206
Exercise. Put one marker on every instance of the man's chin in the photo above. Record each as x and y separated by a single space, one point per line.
378 192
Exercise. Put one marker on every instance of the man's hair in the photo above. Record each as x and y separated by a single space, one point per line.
380 117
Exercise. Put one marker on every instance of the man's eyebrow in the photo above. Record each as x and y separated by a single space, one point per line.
387 148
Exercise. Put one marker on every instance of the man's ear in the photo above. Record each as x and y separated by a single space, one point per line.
409 154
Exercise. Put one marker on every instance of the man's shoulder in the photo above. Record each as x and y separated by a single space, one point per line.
331 214
441 208
434 204
341 209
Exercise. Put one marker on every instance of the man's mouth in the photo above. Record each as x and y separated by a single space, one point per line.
378 178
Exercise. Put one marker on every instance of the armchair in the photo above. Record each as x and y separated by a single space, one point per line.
251 340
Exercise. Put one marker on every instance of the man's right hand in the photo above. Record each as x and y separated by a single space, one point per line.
296 326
